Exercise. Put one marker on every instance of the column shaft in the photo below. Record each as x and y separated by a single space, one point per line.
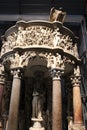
77 106
1 94
14 105
57 105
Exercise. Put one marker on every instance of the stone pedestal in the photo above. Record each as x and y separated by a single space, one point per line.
14 103
37 124
78 127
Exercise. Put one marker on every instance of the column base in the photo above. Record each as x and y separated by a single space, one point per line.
37 125
76 127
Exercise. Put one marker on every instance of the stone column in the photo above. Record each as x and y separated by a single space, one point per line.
2 81
57 100
77 105
1 90
14 103
1 94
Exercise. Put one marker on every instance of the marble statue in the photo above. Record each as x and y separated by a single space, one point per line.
57 15
38 99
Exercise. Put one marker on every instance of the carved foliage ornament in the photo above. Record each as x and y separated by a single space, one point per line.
76 78
56 73
17 73
51 60
16 60
55 61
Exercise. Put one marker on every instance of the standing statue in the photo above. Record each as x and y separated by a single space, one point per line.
38 98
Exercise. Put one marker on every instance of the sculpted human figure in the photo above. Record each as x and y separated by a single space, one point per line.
57 15
21 38
38 99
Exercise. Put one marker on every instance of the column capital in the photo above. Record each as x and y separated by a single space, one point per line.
17 72
76 80
56 73
76 77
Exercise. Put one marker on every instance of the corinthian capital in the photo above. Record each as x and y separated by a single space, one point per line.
56 73
76 77
17 73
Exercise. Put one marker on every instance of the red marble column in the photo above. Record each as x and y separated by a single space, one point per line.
77 104
56 101
14 103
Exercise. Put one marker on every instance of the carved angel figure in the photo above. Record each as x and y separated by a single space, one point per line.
57 15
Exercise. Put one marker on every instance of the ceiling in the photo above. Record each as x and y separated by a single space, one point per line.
13 10
75 7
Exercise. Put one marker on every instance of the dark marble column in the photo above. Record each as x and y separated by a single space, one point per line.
57 100
1 89
14 102
77 105
2 78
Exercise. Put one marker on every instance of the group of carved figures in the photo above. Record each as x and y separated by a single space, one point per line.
38 36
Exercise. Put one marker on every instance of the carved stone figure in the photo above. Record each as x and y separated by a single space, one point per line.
38 98
57 37
21 36
57 15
